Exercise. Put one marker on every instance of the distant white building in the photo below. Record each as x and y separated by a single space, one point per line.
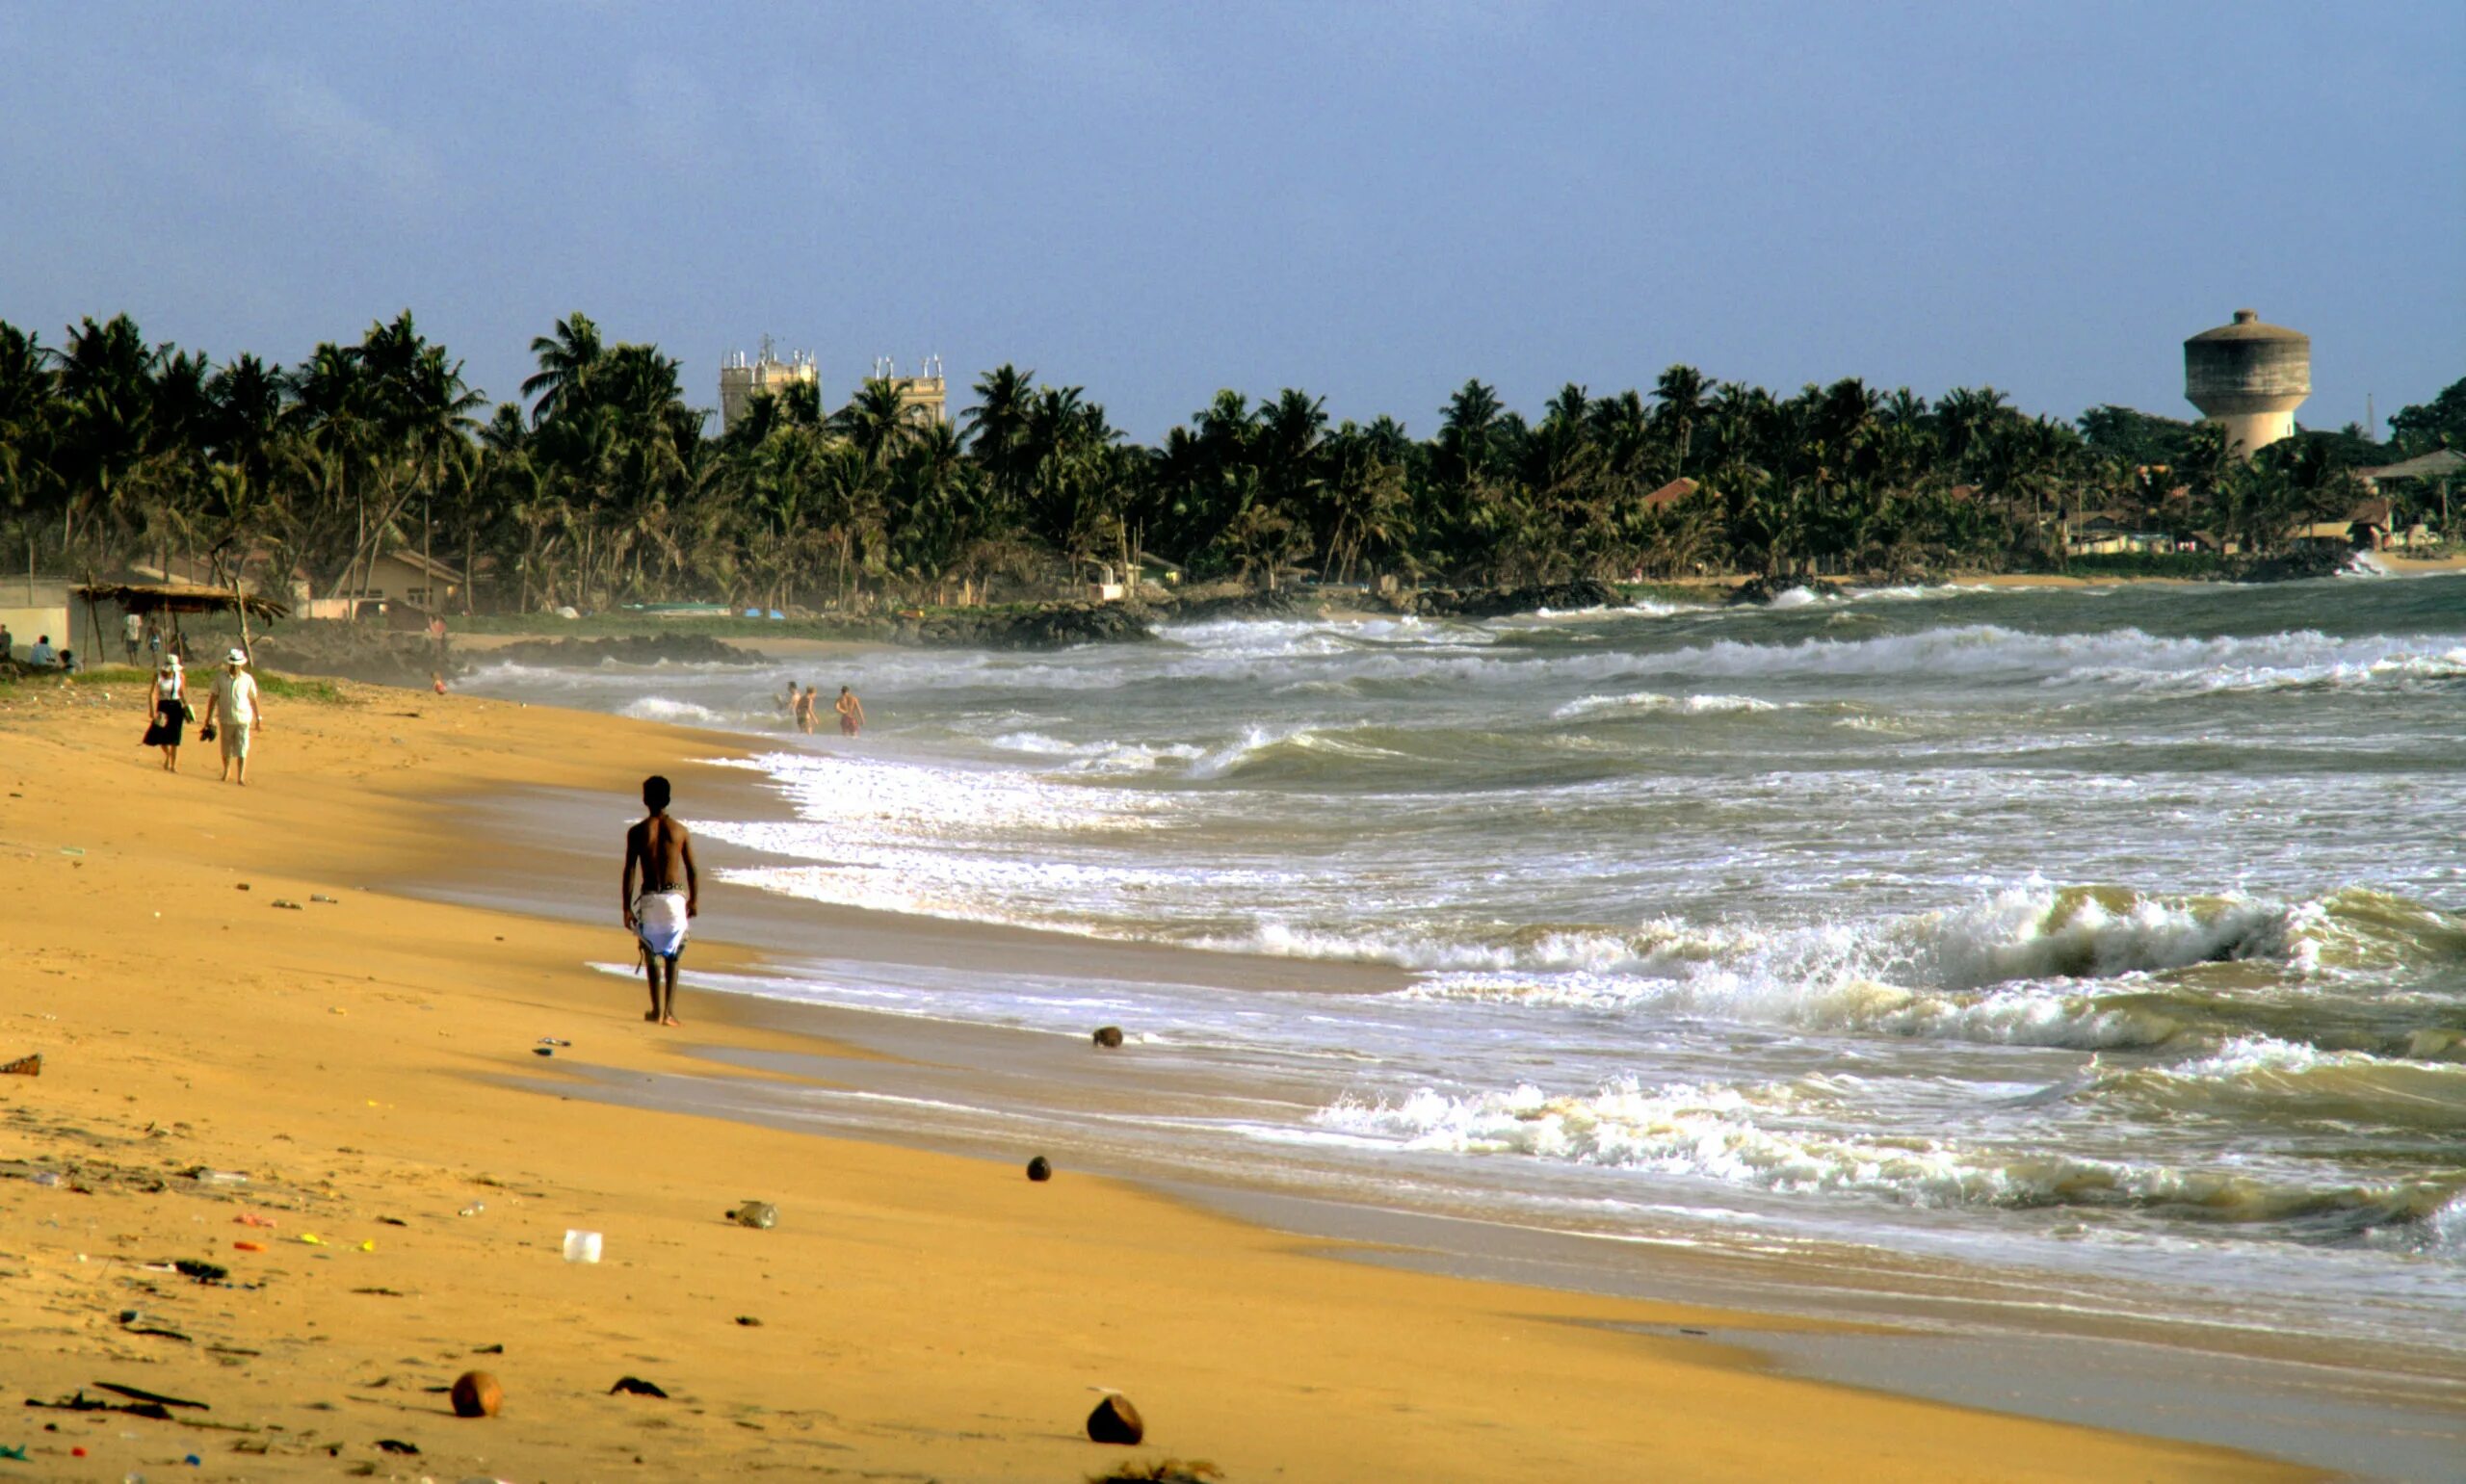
922 394
740 376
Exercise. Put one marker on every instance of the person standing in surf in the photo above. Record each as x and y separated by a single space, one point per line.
661 894
852 713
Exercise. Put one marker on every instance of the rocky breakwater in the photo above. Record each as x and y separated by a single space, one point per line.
1507 602
354 651
1272 603
1763 588
1053 626
628 649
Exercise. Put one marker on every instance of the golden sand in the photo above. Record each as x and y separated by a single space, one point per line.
368 1064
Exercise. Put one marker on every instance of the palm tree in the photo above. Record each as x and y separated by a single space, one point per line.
106 385
1679 393
880 421
566 358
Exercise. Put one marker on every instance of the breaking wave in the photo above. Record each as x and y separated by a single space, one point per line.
1785 1136
1655 701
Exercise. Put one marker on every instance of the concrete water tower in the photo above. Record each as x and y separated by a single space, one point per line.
2248 378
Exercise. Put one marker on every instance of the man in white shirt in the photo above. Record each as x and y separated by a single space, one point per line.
235 702
41 656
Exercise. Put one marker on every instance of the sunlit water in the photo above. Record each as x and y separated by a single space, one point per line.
2109 931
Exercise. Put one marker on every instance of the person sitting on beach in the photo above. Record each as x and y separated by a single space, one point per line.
660 851
852 713
40 656
235 702
167 712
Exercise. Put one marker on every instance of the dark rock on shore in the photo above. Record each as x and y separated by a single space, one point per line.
2299 565
1507 602
1055 626
1280 603
630 649
354 651
1765 587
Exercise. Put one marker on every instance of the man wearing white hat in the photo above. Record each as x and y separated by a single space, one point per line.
235 702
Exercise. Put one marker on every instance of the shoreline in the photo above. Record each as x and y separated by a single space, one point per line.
937 1314
2197 1380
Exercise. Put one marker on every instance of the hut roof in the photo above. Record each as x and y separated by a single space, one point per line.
178 598
1669 494
2423 466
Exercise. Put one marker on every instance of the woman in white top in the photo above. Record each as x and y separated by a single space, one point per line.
167 707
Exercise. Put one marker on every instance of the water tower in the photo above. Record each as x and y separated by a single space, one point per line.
2248 378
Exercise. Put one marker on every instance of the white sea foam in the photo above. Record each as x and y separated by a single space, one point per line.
660 708
1654 700
1774 1136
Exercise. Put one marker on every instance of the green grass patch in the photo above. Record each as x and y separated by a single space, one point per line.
111 675
1665 592
288 687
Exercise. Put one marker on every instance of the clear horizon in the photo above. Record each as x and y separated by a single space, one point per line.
1374 203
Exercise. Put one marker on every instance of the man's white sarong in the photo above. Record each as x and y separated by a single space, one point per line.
660 921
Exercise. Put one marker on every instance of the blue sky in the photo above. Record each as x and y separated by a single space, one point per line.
1373 202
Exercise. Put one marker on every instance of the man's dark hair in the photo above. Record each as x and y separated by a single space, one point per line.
655 792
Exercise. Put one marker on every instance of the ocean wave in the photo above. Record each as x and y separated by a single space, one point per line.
2106 659
660 708
1655 701
2032 965
2262 1077
1774 1136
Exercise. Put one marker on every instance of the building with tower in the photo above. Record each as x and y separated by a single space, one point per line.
740 376
922 395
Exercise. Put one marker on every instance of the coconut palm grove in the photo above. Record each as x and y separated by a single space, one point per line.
604 485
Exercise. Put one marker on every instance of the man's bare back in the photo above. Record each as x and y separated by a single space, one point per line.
659 868
661 848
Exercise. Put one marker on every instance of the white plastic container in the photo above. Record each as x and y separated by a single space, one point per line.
582 1246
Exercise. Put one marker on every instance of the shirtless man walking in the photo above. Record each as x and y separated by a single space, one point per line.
660 851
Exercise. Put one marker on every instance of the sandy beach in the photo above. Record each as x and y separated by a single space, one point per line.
216 983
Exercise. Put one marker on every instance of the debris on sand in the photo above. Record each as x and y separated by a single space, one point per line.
1039 1169
636 1386
476 1394
23 1066
1169 1471
761 1216
1108 1036
1116 1420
